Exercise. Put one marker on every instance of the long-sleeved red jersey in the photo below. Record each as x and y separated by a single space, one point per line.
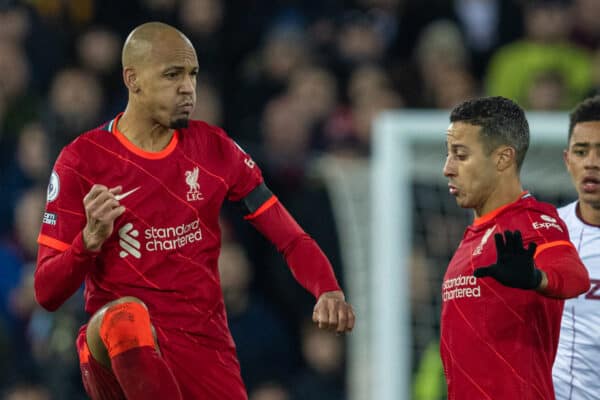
498 342
164 248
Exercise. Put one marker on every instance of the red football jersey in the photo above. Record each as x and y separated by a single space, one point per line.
165 247
499 342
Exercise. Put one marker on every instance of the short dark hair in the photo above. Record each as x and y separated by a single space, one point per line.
587 110
502 122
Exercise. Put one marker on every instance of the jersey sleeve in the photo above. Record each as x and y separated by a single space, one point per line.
547 230
309 265
243 175
64 217
556 255
63 261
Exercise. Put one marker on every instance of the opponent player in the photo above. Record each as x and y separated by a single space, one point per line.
500 323
575 373
133 211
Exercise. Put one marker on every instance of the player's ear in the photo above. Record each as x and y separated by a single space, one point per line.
566 159
506 156
130 79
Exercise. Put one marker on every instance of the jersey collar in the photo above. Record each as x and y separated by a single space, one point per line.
150 155
494 213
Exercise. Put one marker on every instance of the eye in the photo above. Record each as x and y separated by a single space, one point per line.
171 75
579 152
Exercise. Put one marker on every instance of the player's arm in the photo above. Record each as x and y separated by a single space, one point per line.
60 273
62 267
563 273
554 269
308 263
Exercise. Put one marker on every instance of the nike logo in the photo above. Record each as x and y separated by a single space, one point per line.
121 196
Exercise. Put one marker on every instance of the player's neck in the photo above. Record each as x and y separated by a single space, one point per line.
143 132
588 214
501 196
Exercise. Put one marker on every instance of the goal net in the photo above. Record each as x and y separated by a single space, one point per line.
416 226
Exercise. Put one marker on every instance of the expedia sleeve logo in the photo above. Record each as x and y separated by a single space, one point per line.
53 187
548 223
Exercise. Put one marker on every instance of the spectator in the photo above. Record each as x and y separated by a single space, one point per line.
14 24
323 377
514 67
264 353
29 166
547 92
17 269
27 391
99 53
443 65
270 391
584 29
203 22
208 104
265 75
18 103
75 104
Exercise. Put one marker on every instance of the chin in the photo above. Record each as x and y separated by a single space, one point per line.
591 198
463 203
179 123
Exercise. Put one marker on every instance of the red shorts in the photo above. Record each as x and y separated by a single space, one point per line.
201 372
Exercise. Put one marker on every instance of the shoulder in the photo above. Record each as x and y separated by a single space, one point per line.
84 145
200 133
533 205
539 219
198 129
567 212
535 210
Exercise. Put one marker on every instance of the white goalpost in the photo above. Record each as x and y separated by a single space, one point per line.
409 146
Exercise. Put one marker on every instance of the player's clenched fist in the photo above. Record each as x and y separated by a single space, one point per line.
333 313
101 209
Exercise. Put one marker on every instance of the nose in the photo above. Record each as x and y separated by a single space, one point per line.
188 85
592 161
448 169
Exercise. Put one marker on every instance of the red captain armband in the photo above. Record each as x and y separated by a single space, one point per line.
257 201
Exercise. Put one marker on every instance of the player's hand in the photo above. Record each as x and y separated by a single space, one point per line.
514 267
101 211
333 313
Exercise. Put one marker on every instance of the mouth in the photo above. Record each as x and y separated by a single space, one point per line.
185 107
590 184
453 190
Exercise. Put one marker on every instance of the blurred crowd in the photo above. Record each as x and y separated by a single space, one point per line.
297 83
